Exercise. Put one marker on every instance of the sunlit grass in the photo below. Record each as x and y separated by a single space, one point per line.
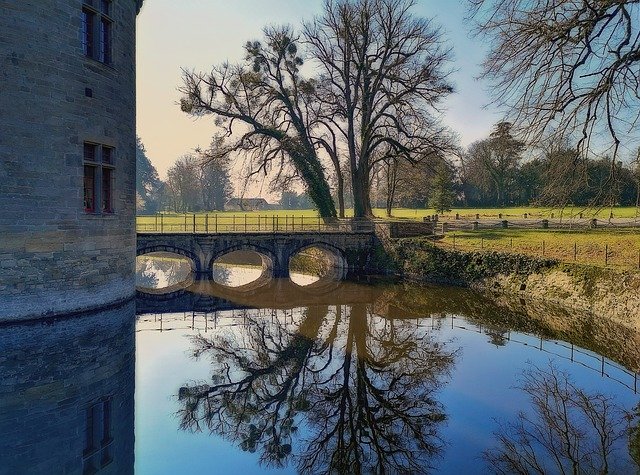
407 213
613 247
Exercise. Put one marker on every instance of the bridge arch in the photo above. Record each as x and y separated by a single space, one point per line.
269 257
337 257
193 258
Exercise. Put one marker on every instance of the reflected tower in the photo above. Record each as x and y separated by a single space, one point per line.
67 395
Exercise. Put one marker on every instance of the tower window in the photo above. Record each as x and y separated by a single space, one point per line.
97 445
97 24
99 177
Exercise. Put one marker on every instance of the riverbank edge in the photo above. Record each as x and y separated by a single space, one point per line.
603 292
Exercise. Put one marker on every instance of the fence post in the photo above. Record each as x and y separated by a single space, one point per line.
481 243
162 223
318 223
606 254
156 228
575 251
194 223
206 221
185 222
543 248
245 223
233 227
454 241
511 243
216 219
273 224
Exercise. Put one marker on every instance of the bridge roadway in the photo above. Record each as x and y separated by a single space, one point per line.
351 250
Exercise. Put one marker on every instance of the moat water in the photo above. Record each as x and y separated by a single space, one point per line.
243 375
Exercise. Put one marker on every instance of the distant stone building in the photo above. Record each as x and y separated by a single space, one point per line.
248 204
67 155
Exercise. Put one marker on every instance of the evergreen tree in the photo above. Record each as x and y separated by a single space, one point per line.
442 196
148 183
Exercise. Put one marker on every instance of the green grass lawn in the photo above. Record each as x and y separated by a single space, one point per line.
519 212
406 213
620 246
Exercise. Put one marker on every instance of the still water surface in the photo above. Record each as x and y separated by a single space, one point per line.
242 376
377 378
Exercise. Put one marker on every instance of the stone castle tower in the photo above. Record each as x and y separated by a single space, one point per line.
67 155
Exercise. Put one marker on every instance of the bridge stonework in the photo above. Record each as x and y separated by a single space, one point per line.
351 249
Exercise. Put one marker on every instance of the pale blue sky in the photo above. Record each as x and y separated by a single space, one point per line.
200 33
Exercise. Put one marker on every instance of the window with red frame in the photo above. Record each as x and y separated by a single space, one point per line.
99 176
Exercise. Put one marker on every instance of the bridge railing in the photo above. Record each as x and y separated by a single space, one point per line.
221 224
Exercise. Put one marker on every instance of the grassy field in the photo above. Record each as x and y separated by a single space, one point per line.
618 212
618 248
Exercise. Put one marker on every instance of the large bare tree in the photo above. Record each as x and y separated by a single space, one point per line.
266 106
384 72
565 67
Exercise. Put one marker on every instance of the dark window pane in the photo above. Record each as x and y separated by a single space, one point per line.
105 41
87 32
107 155
107 181
90 152
105 7
106 419
89 189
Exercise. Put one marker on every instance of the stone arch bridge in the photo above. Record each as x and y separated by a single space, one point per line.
351 251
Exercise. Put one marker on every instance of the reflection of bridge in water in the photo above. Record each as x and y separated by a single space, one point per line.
209 296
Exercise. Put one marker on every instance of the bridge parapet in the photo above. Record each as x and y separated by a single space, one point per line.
254 224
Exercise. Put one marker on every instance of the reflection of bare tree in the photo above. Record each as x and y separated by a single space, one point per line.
146 276
151 270
221 274
376 411
354 393
568 430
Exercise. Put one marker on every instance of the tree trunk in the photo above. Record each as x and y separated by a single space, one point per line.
340 192
361 202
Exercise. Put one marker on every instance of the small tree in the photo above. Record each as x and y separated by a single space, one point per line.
442 196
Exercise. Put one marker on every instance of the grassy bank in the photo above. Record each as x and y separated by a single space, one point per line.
601 247
605 292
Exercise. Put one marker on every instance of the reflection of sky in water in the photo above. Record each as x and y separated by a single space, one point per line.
479 386
236 276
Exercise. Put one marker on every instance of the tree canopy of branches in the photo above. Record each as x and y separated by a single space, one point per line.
384 73
198 182
268 103
492 163
565 67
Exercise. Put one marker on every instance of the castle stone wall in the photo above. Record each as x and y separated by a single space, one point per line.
54 257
